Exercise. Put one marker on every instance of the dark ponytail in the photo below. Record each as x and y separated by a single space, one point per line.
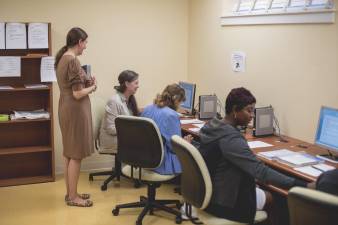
128 76
59 55
75 35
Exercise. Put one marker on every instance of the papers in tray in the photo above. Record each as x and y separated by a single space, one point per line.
275 153
315 170
37 114
299 159
309 170
291 158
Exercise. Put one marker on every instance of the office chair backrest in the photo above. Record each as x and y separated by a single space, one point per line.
311 207
139 142
196 186
98 110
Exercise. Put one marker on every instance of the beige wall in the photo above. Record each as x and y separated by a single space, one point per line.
148 36
291 67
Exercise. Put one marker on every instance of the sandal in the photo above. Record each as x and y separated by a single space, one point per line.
87 203
84 196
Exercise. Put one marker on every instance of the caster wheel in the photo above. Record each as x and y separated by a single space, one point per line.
91 178
115 212
103 187
151 212
178 220
138 222
179 205
137 184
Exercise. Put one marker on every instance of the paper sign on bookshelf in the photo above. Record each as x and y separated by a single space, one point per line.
16 36
37 35
2 35
10 66
47 70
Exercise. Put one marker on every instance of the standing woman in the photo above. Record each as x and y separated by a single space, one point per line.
123 102
74 113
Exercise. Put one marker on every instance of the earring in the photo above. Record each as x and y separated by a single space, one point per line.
235 116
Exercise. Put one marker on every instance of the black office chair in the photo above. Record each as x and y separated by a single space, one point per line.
196 185
312 207
140 146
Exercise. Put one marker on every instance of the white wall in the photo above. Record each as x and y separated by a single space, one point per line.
148 36
291 67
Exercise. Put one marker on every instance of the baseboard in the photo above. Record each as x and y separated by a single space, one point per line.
89 166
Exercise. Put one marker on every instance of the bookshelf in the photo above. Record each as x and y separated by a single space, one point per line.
26 146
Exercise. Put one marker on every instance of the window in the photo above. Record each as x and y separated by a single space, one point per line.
280 11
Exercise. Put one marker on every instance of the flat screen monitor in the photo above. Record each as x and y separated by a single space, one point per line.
189 102
327 131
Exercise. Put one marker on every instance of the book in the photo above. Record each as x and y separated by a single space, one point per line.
87 69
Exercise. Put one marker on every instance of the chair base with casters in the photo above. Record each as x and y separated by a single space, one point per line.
114 173
149 203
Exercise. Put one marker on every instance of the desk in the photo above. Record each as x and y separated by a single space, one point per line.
274 140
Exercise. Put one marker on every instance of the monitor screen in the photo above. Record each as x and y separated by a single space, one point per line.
327 130
189 89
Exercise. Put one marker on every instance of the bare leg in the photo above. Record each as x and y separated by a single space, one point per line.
66 160
73 178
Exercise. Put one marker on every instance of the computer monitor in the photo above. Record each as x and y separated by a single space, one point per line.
207 106
189 102
263 121
327 132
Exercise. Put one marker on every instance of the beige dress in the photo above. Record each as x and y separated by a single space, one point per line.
75 116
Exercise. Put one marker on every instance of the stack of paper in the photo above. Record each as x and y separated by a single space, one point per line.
299 159
309 170
191 121
38 114
276 153
258 144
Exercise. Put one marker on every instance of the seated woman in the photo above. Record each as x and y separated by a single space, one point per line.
123 102
163 112
232 165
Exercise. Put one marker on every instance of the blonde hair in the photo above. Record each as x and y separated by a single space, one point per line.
169 96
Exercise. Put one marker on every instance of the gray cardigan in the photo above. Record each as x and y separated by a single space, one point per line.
116 105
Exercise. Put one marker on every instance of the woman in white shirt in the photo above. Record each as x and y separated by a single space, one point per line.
122 103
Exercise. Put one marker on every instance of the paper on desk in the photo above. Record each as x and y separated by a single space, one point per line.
309 170
199 125
192 121
323 167
258 144
195 129
299 159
